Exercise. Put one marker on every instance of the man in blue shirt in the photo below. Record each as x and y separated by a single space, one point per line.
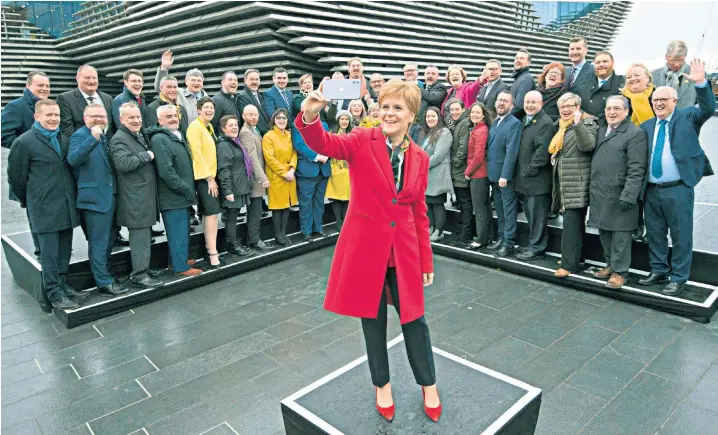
676 163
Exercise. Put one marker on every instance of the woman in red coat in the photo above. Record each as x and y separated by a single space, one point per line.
384 248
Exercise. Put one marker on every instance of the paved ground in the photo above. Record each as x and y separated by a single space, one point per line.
218 359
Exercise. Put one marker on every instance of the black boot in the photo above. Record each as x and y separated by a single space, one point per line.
277 226
496 245
238 249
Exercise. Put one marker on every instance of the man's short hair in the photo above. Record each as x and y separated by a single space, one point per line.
671 90
604 53
226 73
249 106
526 52
42 103
31 76
166 108
225 119
250 71
278 70
431 65
94 106
349 62
496 61
410 65
677 48
577 39
194 72
507 92
83 66
621 98
167 78
127 106
131 71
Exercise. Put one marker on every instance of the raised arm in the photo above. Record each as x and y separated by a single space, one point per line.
706 99
586 131
81 148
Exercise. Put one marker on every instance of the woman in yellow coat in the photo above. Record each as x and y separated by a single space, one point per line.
280 161
338 184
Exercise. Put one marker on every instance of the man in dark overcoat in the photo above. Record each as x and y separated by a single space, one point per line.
618 170
136 190
533 174
41 178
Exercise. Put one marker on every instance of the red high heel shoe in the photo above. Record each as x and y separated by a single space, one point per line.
388 412
432 413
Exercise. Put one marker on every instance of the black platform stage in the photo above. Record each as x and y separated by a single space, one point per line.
26 269
481 400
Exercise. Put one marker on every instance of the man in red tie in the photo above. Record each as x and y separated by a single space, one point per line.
132 92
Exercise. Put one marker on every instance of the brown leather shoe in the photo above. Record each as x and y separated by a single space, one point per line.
562 273
616 281
190 272
604 273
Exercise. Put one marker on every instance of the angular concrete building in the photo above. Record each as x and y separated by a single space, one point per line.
316 37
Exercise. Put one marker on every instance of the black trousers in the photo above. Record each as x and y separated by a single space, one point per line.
230 226
55 251
482 209
416 340
574 227
254 217
617 249
437 216
536 208
339 208
466 213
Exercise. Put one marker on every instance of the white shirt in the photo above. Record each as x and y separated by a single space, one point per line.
95 98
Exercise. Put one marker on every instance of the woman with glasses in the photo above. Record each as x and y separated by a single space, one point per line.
460 89
202 140
571 150
550 85
281 161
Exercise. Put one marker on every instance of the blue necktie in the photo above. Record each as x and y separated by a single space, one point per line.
602 82
656 167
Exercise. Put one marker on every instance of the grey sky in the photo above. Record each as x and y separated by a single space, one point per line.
652 24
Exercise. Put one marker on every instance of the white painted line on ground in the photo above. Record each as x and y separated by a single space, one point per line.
143 388
153 364
231 428
706 203
98 331
89 428
75 370
22 252
38 365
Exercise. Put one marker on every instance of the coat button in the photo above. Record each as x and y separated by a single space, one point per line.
393 224
393 201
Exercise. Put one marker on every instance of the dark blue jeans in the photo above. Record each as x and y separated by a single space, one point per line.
101 235
505 205
311 203
671 209
177 226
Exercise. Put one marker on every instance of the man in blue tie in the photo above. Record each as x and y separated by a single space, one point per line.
278 97
676 163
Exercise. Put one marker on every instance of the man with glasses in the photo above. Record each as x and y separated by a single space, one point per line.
675 74
411 74
376 82
618 170
493 86
96 194
187 96
169 93
676 163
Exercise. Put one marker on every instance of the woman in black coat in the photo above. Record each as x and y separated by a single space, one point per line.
234 172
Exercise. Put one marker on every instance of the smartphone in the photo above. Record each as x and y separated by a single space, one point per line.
343 89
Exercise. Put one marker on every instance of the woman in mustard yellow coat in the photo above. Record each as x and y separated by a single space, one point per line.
280 160
338 184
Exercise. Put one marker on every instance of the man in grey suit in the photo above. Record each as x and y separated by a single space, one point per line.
491 89
673 74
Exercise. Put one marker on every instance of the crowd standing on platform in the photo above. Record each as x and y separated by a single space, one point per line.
576 141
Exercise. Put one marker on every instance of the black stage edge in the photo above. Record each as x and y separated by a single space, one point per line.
26 269
474 400
697 302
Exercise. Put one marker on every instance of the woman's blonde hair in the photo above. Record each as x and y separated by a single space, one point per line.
645 69
408 92
304 77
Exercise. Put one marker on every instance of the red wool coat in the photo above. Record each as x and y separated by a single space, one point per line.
380 225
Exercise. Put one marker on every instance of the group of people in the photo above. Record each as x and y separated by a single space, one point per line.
574 138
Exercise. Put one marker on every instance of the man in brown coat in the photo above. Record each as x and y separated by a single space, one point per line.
251 138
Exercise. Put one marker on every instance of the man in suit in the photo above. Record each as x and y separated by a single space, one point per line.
18 117
191 93
674 74
168 95
676 163
251 96
96 194
313 171
72 103
278 97
581 75
39 175
251 138
607 84
411 74
136 184
376 82
523 82
502 152
131 92
533 174
493 86
433 93
225 101
618 170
